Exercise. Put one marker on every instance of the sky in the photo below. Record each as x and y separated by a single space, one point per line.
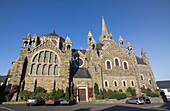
143 23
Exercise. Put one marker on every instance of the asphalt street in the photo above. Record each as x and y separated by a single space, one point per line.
87 107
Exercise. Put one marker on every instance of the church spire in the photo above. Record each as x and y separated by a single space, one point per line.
104 28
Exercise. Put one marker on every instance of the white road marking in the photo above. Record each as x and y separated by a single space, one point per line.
6 108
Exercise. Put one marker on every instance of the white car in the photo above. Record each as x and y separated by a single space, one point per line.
139 100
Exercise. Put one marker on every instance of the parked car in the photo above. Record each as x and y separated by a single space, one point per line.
34 101
50 100
139 100
64 101
147 100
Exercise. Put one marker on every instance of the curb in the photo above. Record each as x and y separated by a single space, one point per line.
13 103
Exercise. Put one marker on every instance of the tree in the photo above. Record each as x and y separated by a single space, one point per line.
67 92
96 89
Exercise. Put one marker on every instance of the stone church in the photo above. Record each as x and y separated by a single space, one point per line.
50 61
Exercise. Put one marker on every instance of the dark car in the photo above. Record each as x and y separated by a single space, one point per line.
50 101
34 101
139 100
147 100
64 101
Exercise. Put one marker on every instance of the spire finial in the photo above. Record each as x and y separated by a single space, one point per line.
104 28
54 29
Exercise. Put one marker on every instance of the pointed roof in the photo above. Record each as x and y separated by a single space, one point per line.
28 36
143 51
89 34
104 28
129 45
52 34
68 40
121 39
93 41
111 34
34 36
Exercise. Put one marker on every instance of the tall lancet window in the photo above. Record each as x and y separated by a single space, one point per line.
108 64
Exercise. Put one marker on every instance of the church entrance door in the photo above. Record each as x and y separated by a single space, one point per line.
82 94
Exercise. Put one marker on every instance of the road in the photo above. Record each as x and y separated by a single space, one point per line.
87 107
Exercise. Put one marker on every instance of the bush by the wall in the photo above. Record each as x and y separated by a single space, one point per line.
96 89
100 96
40 89
132 91
67 92
24 95
8 95
128 94
105 94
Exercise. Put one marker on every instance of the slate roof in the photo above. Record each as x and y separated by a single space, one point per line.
140 60
163 84
99 46
80 73
2 78
81 50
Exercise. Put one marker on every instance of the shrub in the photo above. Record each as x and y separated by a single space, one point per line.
100 94
120 90
9 96
40 89
105 94
110 94
96 88
67 92
24 95
43 95
60 93
128 94
154 94
119 95
132 91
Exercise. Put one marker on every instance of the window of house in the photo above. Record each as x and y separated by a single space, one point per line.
125 65
124 83
106 84
108 64
150 82
142 78
116 62
132 83
115 83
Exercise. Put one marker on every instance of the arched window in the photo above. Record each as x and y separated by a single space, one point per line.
124 83
116 62
132 83
38 67
142 78
115 83
106 84
150 82
125 65
108 64
144 86
93 46
68 47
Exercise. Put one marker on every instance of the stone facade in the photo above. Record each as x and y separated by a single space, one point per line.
50 62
